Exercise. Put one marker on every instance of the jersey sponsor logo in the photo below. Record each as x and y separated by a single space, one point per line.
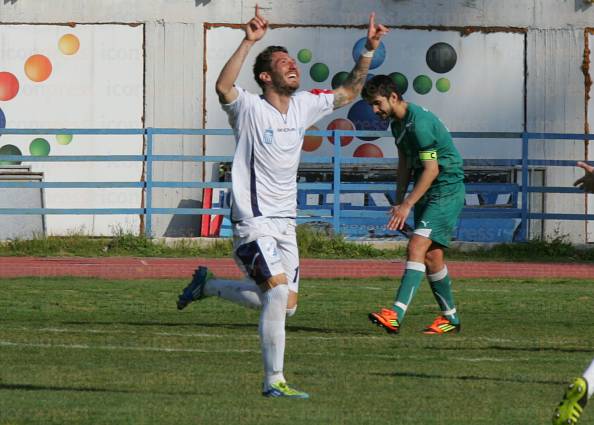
285 130
268 136
428 155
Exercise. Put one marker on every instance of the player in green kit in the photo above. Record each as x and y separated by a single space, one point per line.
428 156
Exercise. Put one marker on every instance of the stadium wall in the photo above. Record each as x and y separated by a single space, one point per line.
173 31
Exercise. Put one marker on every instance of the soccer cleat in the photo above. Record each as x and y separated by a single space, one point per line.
282 389
195 289
441 325
387 319
574 400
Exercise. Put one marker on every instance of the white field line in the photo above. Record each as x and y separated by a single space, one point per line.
197 350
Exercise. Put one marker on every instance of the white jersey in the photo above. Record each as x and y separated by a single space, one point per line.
264 173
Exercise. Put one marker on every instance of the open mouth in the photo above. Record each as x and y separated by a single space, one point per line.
292 76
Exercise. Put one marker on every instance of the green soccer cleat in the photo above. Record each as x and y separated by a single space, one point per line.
574 400
282 389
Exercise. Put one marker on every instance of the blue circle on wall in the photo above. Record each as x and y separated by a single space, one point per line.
2 119
378 57
362 116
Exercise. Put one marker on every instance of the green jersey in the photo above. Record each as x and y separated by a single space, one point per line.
422 136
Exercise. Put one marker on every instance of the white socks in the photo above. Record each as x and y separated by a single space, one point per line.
272 333
243 292
589 377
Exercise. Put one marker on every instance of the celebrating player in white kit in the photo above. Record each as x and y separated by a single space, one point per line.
269 131
581 388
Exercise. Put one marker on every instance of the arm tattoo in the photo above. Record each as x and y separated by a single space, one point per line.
352 84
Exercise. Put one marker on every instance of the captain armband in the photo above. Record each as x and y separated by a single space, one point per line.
428 155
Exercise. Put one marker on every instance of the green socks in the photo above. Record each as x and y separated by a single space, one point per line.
411 280
441 285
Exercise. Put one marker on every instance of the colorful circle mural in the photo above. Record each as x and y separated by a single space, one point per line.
422 84
39 147
10 150
38 68
378 57
9 86
339 78
319 72
2 119
441 58
304 55
401 82
311 143
69 44
64 139
341 124
368 150
442 85
362 116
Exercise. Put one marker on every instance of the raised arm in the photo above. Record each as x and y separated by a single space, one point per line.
254 31
355 81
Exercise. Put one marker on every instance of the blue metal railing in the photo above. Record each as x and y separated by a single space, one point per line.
334 214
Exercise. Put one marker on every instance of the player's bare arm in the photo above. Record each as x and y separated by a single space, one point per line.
400 212
353 84
255 29
586 183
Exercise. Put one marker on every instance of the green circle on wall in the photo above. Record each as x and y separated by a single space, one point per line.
39 147
63 139
442 85
304 55
10 150
319 72
339 78
401 82
422 84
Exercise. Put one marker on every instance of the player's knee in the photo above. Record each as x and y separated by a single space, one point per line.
291 311
273 281
433 258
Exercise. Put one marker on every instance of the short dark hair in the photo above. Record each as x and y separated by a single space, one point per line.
380 85
263 62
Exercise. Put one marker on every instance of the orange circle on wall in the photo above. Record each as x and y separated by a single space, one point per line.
69 44
9 86
368 150
311 143
38 68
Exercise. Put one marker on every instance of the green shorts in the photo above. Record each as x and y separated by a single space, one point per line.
436 215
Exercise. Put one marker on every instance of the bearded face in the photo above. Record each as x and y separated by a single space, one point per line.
284 75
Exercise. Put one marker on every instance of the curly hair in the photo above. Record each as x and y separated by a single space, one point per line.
263 62
381 85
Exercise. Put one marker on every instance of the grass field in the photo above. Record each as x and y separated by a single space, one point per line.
84 351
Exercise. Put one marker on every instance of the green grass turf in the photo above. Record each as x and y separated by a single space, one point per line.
87 351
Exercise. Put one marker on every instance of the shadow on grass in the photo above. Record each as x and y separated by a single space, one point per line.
216 325
29 387
468 378
521 349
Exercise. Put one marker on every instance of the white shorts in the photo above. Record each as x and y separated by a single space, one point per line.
265 247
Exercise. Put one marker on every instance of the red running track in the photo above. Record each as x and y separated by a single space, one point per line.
182 268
